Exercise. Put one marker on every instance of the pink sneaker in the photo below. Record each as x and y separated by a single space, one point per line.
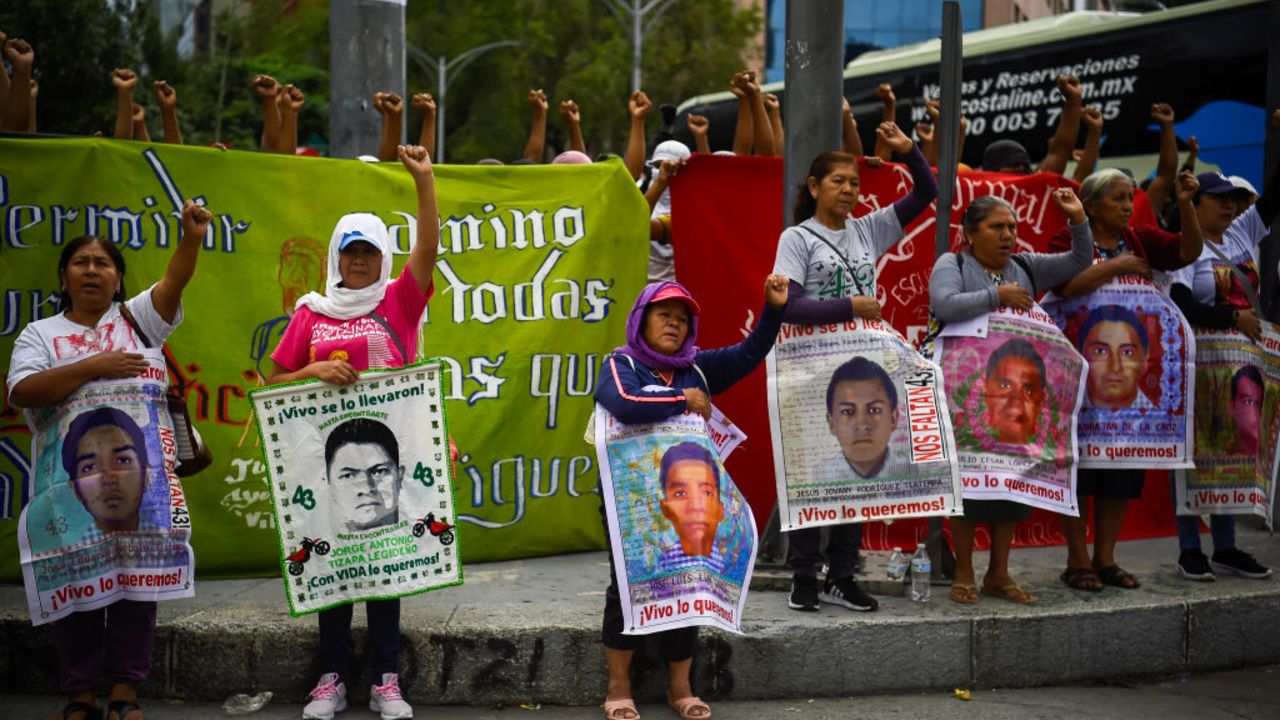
328 697
385 699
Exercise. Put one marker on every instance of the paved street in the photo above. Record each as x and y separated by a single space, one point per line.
1249 694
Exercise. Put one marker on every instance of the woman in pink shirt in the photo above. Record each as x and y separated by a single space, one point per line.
363 320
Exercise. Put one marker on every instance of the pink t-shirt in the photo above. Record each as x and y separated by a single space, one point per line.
363 342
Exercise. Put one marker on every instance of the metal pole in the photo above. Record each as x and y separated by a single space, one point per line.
442 84
637 43
814 88
948 132
355 73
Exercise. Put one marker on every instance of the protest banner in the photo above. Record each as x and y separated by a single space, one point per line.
534 262
1237 427
682 535
1140 354
727 216
1015 384
863 427
109 519
361 486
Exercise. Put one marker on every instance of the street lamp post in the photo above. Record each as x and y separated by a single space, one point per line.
631 15
442 67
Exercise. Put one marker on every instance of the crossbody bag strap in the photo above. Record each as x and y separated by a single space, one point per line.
137 329
394 337
1240 278
834 249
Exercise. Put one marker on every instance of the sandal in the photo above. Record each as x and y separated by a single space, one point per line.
964 593
122 708
1012 592
685 708
618 709
91 712
1081 579
1115 576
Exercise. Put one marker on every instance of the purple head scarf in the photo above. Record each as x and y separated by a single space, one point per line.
637 348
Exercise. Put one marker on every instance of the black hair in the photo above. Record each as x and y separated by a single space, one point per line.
96 418
860 368
687 451
822 165
1248 372
69 250
1114 313
361 431
1017 348
980 208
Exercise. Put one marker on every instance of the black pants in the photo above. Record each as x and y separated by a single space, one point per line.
804 551
673 645
384 638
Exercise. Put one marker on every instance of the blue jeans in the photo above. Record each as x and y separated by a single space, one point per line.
1221 527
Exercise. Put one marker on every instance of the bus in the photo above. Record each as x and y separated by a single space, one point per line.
1207 60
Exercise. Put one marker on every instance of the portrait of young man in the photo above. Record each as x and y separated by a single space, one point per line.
364 474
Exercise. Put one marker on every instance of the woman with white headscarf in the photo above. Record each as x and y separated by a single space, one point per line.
363 320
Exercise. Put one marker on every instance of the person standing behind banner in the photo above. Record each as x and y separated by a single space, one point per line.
1209 295
1118 249
363 320
658 374
968 284
829 260
114 642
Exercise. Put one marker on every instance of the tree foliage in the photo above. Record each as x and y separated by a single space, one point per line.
571 49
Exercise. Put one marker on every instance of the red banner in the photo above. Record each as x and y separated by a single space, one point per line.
726 218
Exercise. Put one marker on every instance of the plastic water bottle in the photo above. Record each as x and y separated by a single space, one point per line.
243 704
920 569
897 567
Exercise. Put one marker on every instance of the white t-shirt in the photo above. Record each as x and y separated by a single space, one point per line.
826 273
1210 279
43 343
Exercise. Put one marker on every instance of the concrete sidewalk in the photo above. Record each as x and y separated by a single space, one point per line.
528 632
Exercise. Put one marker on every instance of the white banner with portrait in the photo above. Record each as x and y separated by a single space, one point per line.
108 519
1015 384
861 427
682 535
1140 353
361 486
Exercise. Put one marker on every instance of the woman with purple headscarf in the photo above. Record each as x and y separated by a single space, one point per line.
659 373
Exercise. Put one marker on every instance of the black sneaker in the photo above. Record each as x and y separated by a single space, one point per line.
1195 566
1234 561
804 594
846 593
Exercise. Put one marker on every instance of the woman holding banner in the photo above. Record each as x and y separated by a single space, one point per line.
1118 249
91 338
661 373
1209 292
829 260
967 285
363 320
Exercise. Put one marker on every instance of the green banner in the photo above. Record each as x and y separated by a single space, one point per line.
535 262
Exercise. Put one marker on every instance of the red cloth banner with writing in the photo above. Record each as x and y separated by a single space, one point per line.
726 218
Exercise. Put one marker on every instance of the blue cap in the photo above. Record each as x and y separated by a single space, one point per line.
354 236
1215 183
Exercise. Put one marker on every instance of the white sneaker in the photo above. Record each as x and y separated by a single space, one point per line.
328 697
385 699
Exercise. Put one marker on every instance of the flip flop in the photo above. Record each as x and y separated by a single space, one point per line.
1115 576
617 709
91 712
1079 579
964 593
1012 592
684 707
122 708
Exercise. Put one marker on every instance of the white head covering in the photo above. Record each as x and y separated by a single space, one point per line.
666 150
343 303
1242 184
